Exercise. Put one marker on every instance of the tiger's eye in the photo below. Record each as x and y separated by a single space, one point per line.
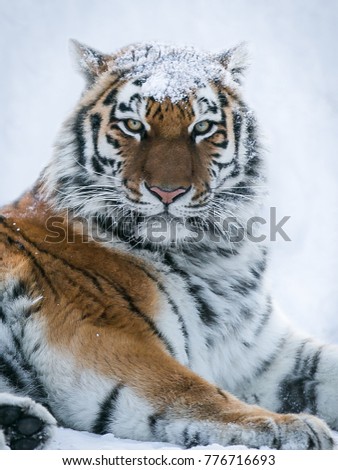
134 125
203 127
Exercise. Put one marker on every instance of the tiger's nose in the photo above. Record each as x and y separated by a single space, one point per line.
168 196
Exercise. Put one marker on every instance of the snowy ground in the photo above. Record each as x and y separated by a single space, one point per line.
67 439
292 84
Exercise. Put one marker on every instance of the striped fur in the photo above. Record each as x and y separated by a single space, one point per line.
127 304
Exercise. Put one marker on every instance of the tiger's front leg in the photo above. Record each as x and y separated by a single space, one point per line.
153 397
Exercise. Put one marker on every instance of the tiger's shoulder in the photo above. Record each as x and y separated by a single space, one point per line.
45 250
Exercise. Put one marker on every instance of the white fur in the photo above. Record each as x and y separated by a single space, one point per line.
73 392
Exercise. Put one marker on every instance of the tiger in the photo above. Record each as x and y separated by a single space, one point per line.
134 297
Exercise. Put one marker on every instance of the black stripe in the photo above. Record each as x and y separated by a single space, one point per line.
135 97
223 394
20 289
221 165
2 315
133 200
97 160
79 133
149 106
265 365
102 424
182 109
185 437
153 421
244 286
215 286
246 313
123 107
36 264
207 315
327 436
114 142
222 145
36 388
311 388
226 252
112 114
111 97
190 440
223 100
259 268
12 373
264 319
297 392
277 439
291 389
315 362
210 105
237 126
171 302
157 112
139 82
148 49
298 357
98 168
115 126
95 122
252 166
253 162
235 172
314 440
75 180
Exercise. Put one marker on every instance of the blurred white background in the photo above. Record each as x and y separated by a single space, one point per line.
292 85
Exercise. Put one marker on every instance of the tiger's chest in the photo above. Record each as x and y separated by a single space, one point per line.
214 309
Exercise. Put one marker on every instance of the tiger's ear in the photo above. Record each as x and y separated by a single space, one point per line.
236 60
88 61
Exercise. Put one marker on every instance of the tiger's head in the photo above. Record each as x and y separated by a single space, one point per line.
161 147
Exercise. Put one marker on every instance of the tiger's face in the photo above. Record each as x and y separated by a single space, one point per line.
167 156
155 146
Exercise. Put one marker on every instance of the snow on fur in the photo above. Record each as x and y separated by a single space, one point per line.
174 72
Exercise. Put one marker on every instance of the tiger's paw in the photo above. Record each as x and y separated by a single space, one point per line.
292 432
24 424
307 432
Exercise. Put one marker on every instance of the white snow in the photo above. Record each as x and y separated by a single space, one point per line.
292 84
169 71
68 439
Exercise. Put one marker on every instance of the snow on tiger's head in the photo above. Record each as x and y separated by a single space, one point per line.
166 71
160 132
